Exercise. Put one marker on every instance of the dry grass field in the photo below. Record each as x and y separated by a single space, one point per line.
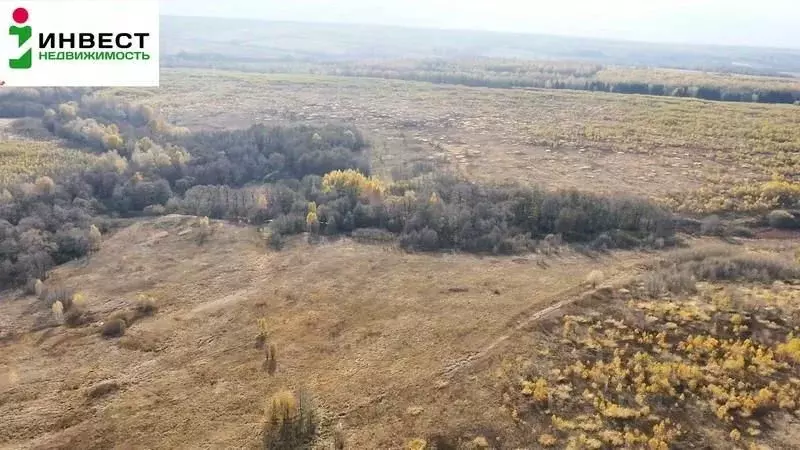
698 156
369 330
394 347
692 347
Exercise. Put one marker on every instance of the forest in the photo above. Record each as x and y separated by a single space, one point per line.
286 179
518 74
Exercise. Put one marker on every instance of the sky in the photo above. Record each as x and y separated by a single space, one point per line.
769 23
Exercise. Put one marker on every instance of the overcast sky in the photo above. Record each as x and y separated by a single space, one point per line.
774 23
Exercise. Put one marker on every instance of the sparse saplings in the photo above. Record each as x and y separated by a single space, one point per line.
270 359
77 314
263 332
312 221
58 311
95 238
204 230
291 422
339 438
594 278
34 287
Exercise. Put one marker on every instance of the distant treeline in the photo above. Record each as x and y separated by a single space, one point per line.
290 179
521 74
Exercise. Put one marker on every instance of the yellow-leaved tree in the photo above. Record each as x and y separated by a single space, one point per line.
312 221
355 183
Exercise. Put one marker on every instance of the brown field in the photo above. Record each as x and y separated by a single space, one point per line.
369 330
394 346
491 352
650 146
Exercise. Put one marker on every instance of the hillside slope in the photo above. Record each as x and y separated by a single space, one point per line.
369 331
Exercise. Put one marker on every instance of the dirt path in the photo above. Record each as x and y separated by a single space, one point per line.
517 324
567 297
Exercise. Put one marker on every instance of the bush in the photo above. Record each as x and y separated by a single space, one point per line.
52 294
146 305
671 280
95 238
58 311
155 210
291 422
114 328
679 272
77 316
34 287
339 438
594 278
270 361
275 240
783 219
712 226
753 268
373 235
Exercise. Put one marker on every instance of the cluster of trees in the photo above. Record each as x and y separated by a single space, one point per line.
487 77
290 179
444 212
499 73
30 102
145 166
41 224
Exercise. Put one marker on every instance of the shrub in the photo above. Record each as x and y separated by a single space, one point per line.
270 361
790 350
670 280
95 238
291 422
34 287
76 316
681 270
263 332
58 311
547 440
204 230
654 285
61 294
288 224
782 219
417 444
275 240
155 210
595 278
146 305
712 226
339 438
373 235
745 267
113 328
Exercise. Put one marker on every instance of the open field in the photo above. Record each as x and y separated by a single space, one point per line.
394 346
369 330
652 146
